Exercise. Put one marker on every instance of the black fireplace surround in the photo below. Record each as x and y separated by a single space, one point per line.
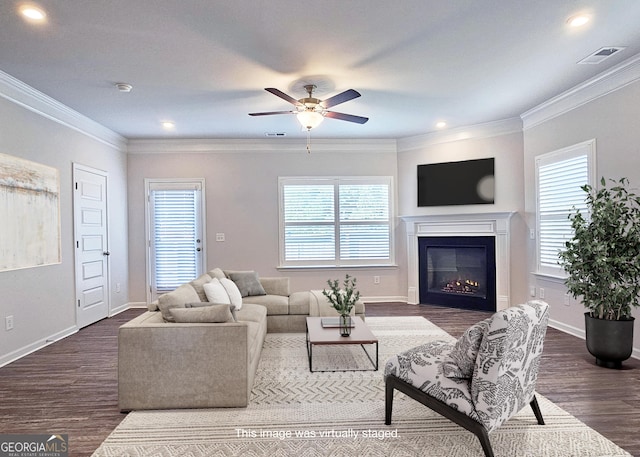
458 271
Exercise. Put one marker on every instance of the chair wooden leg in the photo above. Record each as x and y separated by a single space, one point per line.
536 410
388 403
483 436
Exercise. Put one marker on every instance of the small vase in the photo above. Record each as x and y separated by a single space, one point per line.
345 325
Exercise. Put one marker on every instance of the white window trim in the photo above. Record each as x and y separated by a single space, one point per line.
169 183
337 263
587 148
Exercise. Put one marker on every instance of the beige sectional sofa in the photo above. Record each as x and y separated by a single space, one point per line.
206 362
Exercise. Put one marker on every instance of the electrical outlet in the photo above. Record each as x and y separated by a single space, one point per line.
376 279
532 234
220 237
532 291
118 288
8 322
541 292
567 300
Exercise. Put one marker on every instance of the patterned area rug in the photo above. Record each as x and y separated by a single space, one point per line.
297 413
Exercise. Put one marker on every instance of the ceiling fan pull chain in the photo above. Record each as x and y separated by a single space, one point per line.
308 141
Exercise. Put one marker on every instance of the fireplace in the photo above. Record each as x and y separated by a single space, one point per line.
458 271
493 225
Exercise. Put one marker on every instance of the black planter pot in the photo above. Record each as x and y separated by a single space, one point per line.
610 342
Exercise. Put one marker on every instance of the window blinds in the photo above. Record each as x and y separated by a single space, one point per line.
560 177
174 237
335 221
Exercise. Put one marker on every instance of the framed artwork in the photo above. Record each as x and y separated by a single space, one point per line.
29 214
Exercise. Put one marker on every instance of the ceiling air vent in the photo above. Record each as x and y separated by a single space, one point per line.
601 54
275 134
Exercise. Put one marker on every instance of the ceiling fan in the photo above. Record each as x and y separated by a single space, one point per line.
311 111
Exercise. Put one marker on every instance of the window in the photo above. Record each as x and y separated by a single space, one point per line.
175 228
336 221
559 178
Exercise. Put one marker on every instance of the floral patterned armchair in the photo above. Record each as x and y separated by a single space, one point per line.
483 379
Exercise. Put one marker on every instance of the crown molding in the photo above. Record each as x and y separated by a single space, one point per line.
26 96
617 77
203 146
477 131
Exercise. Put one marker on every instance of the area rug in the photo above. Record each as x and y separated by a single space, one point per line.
297 413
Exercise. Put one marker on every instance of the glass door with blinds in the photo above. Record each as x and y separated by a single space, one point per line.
175 211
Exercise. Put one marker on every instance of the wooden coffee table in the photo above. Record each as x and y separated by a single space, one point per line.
317 335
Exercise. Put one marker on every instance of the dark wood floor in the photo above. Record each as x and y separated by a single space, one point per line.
70 387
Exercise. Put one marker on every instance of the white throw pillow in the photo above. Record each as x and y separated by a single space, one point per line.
216 293
234 293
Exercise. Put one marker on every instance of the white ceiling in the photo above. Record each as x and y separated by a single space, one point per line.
204 64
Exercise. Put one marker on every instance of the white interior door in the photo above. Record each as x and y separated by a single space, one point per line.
91 244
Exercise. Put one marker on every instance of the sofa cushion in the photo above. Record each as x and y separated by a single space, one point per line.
177 298
213 313
275 304
248 283
198 283
216 293
276 286
299 303
217 273
252 313
234 293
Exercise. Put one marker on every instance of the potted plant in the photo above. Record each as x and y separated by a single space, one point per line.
603 263
343 300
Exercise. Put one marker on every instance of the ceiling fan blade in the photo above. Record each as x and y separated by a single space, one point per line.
269 113
340 98
282 95
346 117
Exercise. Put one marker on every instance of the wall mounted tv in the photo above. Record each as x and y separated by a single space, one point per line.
470 182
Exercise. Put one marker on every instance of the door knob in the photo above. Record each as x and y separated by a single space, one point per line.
198 249
106 253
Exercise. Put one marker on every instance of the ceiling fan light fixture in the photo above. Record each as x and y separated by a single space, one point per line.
310 119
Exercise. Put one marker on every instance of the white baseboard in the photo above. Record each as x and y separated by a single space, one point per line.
35 346
137 304
119 309
570 329
389 299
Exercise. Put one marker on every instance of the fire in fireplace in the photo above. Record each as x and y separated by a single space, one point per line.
458 272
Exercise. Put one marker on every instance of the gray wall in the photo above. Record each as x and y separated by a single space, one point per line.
242 202
613 121
42 299
506 148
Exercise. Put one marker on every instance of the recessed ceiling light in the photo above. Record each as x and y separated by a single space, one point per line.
168 125
32 13
578 20
441 124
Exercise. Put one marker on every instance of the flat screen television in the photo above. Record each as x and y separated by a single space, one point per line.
469 182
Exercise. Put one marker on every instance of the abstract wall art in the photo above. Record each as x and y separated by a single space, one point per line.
29 214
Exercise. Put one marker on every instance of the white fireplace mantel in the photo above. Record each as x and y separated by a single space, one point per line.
473 224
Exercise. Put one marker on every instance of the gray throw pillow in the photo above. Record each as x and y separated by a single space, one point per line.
247 282
202 304
203 314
